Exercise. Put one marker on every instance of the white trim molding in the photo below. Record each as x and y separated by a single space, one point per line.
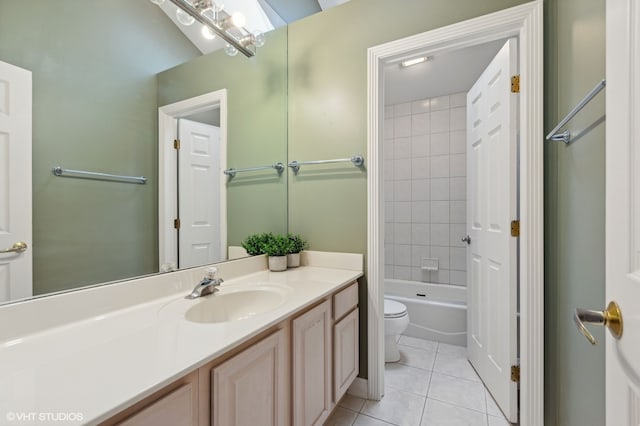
524 22
167 178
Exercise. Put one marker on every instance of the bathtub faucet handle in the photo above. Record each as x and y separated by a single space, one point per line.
466 239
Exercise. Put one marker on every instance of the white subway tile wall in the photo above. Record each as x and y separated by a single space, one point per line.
425 190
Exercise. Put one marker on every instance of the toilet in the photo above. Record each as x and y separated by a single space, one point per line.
396 320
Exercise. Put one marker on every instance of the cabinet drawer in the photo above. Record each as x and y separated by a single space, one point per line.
345 301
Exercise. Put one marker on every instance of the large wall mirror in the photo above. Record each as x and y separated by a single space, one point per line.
101 69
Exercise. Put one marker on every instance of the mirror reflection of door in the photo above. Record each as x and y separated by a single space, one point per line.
15 183
192 191
199 174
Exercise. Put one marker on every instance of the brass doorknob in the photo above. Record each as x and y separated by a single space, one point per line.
611 318
18 247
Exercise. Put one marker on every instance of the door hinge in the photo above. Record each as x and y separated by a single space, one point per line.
176 223
515 373
176 143
515 228
515 84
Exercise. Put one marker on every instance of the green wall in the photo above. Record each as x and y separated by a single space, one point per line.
257 127
94 108
327 119
328 107
575 212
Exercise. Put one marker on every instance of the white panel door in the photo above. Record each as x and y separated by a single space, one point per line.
199 199
15 182
623 210
492 205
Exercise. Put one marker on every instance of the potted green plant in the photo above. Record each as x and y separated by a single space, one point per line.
277 247
254 244
296 245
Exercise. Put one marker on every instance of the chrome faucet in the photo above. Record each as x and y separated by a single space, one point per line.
207 285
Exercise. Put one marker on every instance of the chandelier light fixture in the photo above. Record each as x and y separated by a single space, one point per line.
218 22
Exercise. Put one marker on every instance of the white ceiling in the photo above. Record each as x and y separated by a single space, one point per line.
443 74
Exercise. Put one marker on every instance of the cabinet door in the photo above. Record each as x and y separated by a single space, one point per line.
345 353
176 409
252 387
312 366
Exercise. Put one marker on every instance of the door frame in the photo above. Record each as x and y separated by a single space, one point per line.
526 23
167 177
622 138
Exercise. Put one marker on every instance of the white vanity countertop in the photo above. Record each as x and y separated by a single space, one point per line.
98 366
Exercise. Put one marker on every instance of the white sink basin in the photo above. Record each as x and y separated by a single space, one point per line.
235 305
228 303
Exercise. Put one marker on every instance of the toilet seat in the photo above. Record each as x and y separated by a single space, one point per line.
393 309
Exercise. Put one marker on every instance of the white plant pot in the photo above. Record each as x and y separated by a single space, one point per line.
293 260
277 263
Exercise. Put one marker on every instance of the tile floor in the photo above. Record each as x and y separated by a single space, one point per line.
433 384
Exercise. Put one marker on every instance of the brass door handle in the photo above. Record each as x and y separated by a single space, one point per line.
611 318
18 247
466 239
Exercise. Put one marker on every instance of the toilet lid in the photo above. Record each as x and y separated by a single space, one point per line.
393 309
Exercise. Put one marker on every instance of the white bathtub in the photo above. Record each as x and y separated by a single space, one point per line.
436 311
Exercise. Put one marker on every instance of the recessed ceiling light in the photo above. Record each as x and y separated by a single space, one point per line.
413 61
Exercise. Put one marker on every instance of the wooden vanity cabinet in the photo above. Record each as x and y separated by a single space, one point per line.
291 374
324 356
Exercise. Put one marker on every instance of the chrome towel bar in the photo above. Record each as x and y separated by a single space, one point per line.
356 160
279 167
62 172
566 135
